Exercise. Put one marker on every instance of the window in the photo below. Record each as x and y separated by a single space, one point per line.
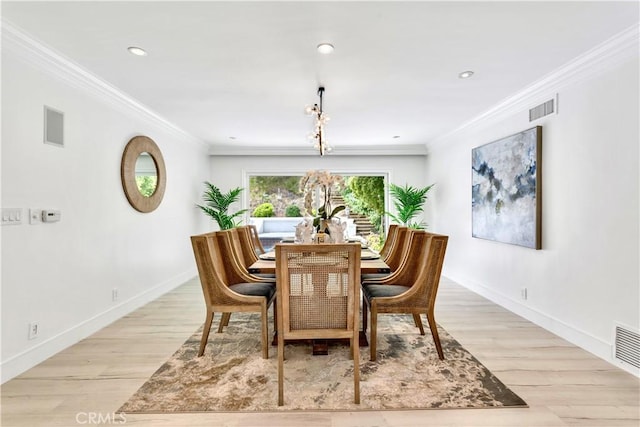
363 195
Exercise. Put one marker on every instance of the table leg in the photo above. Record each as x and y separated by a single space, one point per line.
320 347
363 342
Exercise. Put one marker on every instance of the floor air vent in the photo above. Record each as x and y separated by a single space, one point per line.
627 346
542 110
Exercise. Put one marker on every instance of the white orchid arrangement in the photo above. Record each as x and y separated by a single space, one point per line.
318 185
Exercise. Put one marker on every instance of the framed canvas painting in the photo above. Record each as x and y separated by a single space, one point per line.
506 189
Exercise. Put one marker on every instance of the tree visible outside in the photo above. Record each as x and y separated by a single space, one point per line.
365 195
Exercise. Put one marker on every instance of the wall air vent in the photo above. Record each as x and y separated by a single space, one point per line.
53 127
627 346
542 110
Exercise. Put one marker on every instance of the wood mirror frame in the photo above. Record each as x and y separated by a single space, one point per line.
136 146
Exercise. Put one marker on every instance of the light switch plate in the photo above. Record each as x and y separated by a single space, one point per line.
11 216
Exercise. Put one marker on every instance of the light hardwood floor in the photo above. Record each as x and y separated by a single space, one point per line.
562 384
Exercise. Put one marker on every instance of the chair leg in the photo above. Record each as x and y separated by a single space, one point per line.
280 370
374 332
275 316
434 332
205 332
418 321
355 349
364 315
265 331
351 348
224 321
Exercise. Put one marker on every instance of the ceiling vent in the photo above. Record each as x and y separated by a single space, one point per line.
627 346
542 110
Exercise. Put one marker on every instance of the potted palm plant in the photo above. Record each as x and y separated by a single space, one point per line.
217 206
409 202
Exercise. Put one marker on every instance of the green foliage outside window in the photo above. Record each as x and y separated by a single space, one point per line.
292 211
263 211
260 185
365 195
280 191
370 190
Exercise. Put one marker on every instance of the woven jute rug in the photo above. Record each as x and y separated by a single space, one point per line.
232 375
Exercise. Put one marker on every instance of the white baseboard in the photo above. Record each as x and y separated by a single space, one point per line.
568 332
29 358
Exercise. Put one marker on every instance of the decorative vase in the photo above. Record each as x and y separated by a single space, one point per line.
324 226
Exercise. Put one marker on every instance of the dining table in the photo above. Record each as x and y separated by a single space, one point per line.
370 262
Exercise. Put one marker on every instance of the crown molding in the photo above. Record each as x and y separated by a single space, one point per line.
48 61
309 151
603 57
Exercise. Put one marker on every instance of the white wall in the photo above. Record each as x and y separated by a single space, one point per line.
62 274
230 171
586 276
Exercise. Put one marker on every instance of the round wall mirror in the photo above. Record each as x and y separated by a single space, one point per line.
146 174
143 174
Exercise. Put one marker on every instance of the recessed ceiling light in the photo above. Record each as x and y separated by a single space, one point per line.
396 136
232 137
325 48
465 74
138 51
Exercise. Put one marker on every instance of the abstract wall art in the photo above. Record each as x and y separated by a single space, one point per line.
506 189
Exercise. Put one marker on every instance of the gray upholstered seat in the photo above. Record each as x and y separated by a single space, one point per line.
254 289
378 291
411 289
226 289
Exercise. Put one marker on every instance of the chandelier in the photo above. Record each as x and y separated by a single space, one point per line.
317 136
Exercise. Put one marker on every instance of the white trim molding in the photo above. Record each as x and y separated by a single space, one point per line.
603 57
580 338
307 151
47 60
29 358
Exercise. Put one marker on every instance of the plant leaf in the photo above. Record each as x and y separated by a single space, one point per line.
217 205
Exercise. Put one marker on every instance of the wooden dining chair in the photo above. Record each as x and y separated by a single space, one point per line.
235 271
413 295
246 244
392 232
318 298
405 264
245 253
257 244
406 271
223 296
396 255
232 258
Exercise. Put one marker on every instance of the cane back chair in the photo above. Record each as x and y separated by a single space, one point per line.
413 294
318 298
223 296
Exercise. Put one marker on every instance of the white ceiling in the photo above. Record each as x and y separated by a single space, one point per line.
247 69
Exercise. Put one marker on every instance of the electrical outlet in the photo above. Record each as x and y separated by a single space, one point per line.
34 329
524 293
114 294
